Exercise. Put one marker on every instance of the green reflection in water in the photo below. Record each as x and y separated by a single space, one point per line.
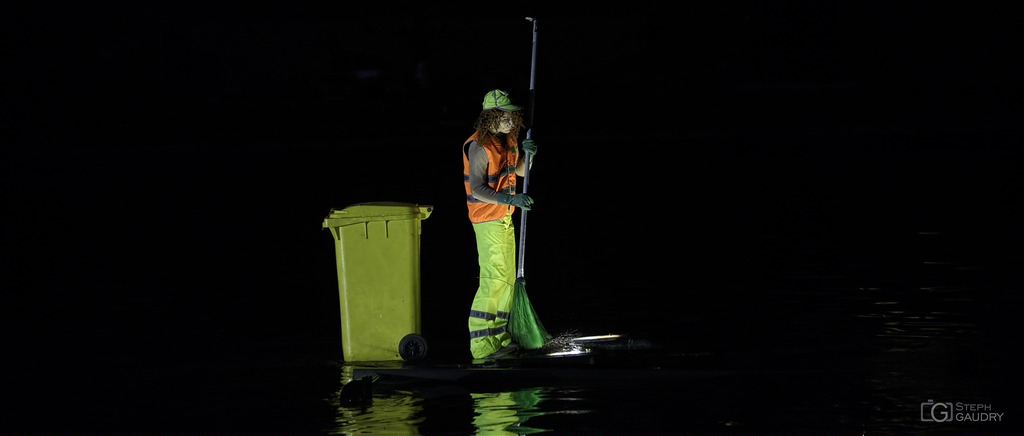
504 413
391 412
397 413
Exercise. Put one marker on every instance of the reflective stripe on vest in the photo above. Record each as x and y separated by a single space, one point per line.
501 176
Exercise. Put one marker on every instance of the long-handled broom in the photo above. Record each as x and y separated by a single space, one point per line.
524 325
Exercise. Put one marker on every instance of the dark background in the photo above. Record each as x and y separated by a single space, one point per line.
166 167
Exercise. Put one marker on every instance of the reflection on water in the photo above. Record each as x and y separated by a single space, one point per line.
399 409
506 413
927 320
929 343
393 413
917 355
859 350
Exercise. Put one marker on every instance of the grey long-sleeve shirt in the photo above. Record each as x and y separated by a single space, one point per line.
478 160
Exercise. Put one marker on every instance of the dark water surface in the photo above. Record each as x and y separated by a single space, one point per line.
191 290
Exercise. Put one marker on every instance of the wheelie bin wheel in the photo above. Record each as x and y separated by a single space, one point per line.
412 347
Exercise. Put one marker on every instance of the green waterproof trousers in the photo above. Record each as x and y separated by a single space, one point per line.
488 317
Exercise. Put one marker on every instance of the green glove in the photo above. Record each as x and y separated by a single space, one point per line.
530 146
522 201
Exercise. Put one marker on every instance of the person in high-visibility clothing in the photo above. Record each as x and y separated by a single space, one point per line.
491 160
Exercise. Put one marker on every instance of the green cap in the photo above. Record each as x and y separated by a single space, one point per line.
498 99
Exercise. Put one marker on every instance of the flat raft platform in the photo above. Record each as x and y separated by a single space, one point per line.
597 358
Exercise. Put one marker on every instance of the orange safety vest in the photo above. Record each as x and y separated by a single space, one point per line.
501 176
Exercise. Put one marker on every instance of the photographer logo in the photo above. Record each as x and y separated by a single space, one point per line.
932 411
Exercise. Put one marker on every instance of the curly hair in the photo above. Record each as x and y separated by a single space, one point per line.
489 118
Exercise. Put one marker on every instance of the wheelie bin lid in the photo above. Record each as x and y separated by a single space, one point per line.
376 211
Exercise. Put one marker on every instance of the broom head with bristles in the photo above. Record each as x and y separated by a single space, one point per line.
523 323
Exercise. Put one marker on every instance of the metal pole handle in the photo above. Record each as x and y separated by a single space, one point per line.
520 262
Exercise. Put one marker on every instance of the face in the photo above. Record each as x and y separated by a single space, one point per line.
504 124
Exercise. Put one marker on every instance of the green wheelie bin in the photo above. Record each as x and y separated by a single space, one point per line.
377 247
